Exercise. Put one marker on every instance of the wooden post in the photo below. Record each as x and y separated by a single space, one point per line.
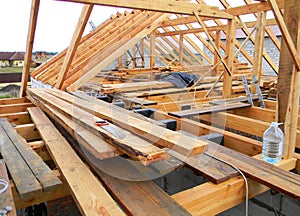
218 44
258 47
285 33
230 36
143 52
288 79
152 54
120 61
181 49
134 56
152 50
35 4
83 19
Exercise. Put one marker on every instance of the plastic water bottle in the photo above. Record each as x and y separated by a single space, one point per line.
272 143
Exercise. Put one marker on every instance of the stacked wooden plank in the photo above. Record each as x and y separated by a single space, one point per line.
82 113
36 176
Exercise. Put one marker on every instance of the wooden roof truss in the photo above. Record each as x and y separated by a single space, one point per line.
184 34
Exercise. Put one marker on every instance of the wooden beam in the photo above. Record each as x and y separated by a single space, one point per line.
83 19
235 11
181 50
218 45
169 139
40 148
13 101
14 108
285 31
269 22
17 118
41 171
29 45
88 192
211 199
258 48
288 78
200 21
128 143
134 196
61 191
152 52
28 131
89 141
240 123
166 6
143 53
230 36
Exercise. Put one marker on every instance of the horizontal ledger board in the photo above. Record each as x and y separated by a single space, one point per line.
210 109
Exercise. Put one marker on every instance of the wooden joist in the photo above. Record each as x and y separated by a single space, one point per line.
211 199
259 113
40 148
6 198
17 118
36 176
212 169
123 140
263 172
88 192
210 109
13 101
28 132
241 123
165 138
234 141
14 108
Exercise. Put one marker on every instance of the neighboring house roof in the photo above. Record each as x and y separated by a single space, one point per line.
12 56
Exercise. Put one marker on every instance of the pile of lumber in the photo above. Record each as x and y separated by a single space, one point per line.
120 133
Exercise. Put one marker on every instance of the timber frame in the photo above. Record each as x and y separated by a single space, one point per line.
159 37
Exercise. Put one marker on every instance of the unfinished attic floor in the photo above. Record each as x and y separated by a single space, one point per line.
92 167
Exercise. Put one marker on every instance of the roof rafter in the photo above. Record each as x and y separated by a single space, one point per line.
167 6
235 11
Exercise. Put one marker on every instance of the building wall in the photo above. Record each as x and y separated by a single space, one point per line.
17 63
4 63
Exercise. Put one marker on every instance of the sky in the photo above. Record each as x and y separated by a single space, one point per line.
55 26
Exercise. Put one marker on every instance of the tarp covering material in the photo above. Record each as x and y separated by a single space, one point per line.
180 79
